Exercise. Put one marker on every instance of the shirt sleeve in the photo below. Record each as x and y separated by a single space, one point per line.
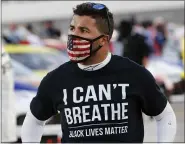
42 106
152 99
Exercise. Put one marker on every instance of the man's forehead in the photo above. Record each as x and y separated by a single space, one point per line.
83 21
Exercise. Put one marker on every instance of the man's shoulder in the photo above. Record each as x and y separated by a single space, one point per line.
61 70
126 63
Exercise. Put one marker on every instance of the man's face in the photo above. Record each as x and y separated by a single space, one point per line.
85 26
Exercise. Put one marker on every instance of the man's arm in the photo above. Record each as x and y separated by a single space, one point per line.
155 104
166 125
32 129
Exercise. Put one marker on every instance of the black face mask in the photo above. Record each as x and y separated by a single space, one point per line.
80 49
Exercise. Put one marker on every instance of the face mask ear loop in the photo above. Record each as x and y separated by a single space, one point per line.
91 52
97 38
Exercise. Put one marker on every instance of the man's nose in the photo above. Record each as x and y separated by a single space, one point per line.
75 32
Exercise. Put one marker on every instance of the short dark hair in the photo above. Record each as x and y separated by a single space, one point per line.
99 15
125 27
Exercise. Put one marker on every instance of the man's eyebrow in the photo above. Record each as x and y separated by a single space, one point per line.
81 27
71 25
86 28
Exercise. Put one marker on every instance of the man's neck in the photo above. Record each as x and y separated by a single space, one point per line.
96 66
97 58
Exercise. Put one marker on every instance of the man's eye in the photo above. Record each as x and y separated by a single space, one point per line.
84 31
71 28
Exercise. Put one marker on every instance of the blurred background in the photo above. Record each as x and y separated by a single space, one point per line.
34 34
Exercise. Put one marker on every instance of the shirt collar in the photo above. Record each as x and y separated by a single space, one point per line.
96 66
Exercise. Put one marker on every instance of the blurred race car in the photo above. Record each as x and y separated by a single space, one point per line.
24 77
56 44
26 85
39 59
166 74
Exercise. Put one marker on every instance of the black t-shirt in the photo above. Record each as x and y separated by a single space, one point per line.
135 48
99 106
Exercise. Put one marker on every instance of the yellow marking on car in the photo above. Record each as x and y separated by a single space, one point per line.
28 49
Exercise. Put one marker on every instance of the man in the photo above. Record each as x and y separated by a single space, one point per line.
149 34
160 36
134 45
31 36
50 31
100 96
8 117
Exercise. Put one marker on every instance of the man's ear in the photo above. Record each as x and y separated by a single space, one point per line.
104 40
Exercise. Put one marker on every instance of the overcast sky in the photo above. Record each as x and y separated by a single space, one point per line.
23 11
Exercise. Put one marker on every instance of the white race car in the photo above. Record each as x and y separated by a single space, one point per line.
26 84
